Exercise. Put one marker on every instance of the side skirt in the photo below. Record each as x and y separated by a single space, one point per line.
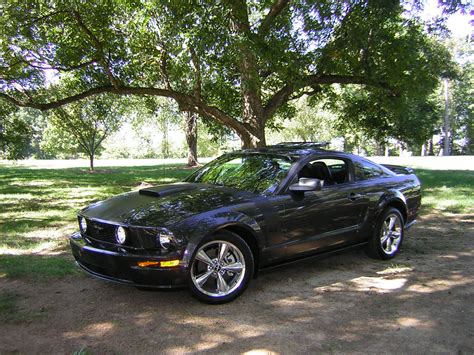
310 257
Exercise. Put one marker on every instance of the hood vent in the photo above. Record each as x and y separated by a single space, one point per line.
161 191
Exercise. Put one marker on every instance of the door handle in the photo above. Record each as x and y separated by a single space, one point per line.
354 196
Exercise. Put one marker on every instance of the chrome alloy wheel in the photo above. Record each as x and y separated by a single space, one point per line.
391 234
218 268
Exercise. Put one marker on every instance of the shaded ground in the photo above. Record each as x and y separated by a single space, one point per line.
420 302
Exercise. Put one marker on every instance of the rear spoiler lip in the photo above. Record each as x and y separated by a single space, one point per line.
398 169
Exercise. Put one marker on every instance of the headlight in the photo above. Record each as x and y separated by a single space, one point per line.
82 224
120 235
166 238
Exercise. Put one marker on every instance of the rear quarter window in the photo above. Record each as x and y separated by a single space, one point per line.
365 170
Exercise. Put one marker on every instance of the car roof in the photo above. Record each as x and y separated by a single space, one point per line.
297 149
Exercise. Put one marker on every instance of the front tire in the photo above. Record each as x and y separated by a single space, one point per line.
221 268
386 241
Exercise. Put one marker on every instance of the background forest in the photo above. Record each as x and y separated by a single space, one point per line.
133 79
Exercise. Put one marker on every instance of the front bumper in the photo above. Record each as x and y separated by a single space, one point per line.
122 266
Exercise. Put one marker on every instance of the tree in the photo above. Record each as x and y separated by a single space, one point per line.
15 136
311 123
89 123
464 104
407 119
16 132
463 94
56 143
235 62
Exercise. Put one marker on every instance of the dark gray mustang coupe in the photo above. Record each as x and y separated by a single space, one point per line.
243 212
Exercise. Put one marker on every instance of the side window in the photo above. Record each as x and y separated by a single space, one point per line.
365 170
332 171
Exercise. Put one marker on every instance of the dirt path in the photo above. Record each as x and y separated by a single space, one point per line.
418 303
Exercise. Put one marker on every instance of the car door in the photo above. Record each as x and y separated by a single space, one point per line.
326 219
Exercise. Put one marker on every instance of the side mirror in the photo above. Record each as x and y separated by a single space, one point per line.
307 184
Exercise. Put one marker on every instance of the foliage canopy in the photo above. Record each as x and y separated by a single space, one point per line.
236 62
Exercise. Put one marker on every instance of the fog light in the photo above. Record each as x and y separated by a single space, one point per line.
82 224
120 235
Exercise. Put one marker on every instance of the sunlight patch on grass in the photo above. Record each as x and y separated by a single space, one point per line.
14 197
449 199
53 232
83 192
34 183
167 180
378 284
36 247
449 192
410 322
395 269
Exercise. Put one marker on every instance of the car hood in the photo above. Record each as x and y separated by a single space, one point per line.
164 205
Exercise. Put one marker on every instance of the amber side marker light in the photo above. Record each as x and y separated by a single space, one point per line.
168 263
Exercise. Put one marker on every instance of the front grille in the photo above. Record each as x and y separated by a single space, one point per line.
105 232
101 231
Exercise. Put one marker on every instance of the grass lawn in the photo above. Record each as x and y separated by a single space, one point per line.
38 211
38 207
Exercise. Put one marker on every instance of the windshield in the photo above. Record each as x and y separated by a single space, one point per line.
259 173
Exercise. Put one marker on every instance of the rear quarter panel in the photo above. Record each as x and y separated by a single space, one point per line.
401 191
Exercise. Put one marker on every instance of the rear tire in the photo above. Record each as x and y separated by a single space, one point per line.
387 238
221 268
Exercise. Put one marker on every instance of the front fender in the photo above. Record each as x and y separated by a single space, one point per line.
209 223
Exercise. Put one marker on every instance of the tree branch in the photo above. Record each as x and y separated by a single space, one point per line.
284 94
60 102
98 46
185 102
64 120
44 17
278 99
304 92
275 10
197 73
240 16
164 69
99 141
58 68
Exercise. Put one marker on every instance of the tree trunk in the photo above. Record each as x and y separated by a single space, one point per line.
446 128
379 149
91 162
430 147
470 138
191 138
253 112
255 139
165 145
